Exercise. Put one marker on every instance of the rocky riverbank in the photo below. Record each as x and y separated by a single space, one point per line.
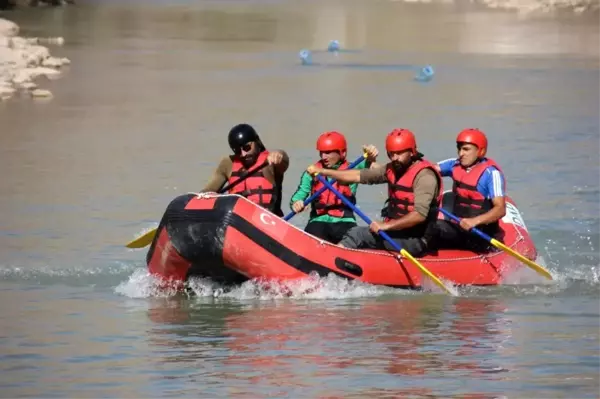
8 4
23 60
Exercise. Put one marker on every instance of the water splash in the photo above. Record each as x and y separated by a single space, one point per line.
312 287
134 281
143 285
525 283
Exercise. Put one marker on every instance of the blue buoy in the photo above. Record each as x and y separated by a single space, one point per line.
333 46
305 57
425 74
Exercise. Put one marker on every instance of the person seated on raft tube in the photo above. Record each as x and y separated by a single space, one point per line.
414 193
263 187
329 218
479 190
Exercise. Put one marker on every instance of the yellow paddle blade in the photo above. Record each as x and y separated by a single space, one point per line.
523 259
143 240
424 270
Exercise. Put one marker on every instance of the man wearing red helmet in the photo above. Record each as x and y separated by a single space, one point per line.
414 193
329 218
262 188
479 190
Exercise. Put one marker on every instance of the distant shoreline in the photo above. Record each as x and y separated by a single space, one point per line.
23 60
522 7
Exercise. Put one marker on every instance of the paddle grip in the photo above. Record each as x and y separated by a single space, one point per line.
322 189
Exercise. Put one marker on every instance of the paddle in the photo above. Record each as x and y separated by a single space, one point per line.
146 238
385 236
320 191
503 247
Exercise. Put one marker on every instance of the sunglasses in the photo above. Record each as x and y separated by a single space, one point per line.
246 148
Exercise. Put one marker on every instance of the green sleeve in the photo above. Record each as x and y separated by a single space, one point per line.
362 165
303 190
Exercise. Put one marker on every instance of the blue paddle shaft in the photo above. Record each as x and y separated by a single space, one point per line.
364 217
321 190
474 229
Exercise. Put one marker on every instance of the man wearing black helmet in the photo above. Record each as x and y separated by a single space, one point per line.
263 187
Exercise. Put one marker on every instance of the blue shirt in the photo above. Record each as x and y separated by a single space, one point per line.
491 183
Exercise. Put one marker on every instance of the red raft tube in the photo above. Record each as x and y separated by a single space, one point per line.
231 240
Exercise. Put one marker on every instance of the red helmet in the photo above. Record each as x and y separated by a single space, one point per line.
401 140
475 137
331 141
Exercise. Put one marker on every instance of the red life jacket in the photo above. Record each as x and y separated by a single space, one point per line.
256 187
468 202
401 198
327 202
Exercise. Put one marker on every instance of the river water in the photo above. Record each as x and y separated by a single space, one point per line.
141 116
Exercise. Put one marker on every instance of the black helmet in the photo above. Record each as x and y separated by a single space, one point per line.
242 134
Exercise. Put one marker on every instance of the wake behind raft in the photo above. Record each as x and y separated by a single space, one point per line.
230 240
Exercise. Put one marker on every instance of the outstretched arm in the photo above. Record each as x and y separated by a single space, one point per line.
219 176
342 176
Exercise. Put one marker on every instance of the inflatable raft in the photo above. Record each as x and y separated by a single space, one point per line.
231 240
